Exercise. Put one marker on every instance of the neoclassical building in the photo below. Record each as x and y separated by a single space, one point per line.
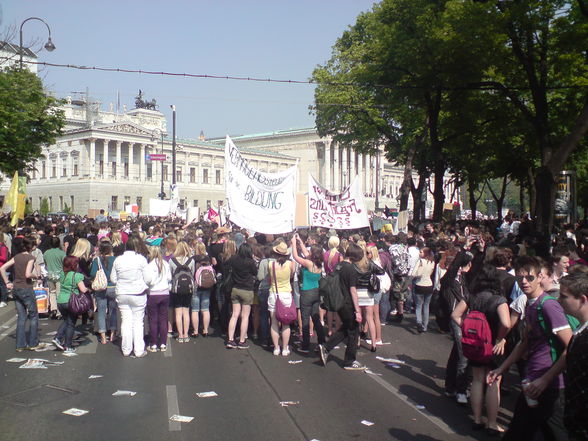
102 161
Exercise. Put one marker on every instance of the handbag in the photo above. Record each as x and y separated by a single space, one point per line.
284 314
78 303
100 283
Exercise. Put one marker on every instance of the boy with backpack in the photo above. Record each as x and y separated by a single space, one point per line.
540 406
205 279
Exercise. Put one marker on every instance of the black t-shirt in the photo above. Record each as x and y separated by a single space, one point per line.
216 250
487 302
244 272
348 276
71 241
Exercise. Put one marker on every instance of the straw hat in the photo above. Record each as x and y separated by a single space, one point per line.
281 248
222 230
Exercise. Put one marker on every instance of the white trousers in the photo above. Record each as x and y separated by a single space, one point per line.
132 312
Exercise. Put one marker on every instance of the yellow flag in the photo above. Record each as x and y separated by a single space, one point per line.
12 196
17 198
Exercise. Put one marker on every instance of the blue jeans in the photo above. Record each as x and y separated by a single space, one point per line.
3 291
105 303
385 307
65 332
309 309
264 316
26 308
201 299
422 309
456 375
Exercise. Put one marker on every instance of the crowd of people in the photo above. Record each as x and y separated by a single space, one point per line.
505 296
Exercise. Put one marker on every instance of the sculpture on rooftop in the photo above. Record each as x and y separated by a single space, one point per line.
142 104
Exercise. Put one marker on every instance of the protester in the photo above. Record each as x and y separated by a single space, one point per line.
158 300
280 271
182 268
423 288
132 277
105 299
54 263
205 279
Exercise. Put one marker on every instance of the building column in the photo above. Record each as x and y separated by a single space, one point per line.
118 174
131 154
92 157
327 183
142 163
105 158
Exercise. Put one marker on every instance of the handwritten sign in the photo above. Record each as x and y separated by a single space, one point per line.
260 201
341 211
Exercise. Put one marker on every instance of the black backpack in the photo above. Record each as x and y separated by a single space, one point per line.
182 278
330 291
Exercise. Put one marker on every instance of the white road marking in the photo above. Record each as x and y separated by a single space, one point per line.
437 421
173 407
168 351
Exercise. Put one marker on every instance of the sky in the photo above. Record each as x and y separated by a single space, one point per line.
278 39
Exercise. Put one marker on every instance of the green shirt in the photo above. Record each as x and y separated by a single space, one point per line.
67 286
54 260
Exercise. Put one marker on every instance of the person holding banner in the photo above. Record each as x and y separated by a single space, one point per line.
281 271
309 293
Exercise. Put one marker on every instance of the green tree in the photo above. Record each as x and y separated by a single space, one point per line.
30 119
44 208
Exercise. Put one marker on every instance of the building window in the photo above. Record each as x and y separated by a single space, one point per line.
71 202
140 202
75 169
101 167
218 177
114 203
127 202
220 203
40 201
179 175
64 172
195 203
182 204
205 176
126 169
53 170
149 171
192 175
60 203
43 173
208 204
50 203
69 143
114 169
165 173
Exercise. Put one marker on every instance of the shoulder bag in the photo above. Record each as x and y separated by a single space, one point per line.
284 314
78 303
100 283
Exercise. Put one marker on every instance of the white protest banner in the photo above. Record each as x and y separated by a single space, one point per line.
158 207
342 211
264 202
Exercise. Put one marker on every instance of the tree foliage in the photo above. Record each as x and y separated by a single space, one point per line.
30 119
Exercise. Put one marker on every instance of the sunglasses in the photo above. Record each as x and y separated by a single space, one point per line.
528 277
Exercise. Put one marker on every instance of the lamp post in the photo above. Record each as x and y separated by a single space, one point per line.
49 45
173 144
161 191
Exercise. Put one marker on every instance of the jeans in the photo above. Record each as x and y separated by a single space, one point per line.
349 331
385 307
65 332
201 299
546 418
3 291
132 312
456 376
309 308
422 309
26 308
104 303
264 316
157 314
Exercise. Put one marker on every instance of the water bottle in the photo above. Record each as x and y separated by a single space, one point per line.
530 401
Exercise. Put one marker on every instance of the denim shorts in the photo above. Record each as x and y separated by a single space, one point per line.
201 300
377 297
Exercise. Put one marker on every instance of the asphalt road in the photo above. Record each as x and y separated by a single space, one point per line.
404 402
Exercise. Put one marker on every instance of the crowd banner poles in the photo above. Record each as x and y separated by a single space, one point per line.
263 202
341 211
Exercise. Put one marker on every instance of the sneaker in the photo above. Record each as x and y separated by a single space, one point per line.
141 355
69 351
323 354
304 350
285 352
379 343
231 344
355 366
461 399
163 348
393 312
21 349
277 351
3 304
35 348
152 348
58 344
449 394
242 345
368 341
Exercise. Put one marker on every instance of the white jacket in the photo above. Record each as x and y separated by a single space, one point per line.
131 274
160 281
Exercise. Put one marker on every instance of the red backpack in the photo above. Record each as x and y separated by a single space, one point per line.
476 340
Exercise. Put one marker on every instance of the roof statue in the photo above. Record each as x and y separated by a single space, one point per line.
142 104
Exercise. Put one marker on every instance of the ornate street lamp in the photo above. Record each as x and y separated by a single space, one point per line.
49 45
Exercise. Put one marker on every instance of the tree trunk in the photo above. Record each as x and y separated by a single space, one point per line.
521 198
438 193
545 199
418 199
499 198
532 193
472 198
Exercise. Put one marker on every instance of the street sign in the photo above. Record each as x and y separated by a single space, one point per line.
156 157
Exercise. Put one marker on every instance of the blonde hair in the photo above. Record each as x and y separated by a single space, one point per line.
182 250
363 264
170 244
229 250
116 238
199 249
83 249
155 254
374 252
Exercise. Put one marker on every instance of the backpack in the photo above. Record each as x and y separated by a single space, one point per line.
182 278
399 257
555 348
100 283
205 277
476 340
330 291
